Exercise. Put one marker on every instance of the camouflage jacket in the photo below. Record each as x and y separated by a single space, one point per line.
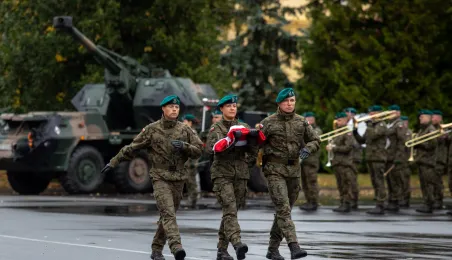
375 140
234 162
192 163
396 134
155 138
286 135
343 150
425 153
314 158
441 152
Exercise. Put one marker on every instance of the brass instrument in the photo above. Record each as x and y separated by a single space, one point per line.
411 159
382 116
432 135
330 154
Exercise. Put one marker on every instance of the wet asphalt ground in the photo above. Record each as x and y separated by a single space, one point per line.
90 228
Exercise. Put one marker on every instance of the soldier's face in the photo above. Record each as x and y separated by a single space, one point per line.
424 119
189 123
216 118
287 105
311 120
171 111
405 123
229 110
350 115
342 121
436 119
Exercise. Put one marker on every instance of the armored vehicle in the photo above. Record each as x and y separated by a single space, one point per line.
74 146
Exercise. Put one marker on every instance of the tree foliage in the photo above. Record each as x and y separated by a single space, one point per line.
358 53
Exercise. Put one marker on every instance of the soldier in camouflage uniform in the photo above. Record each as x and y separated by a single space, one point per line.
375 140
406 167
357 157
342 163
169 144
425 158
396 154
441 161
309 169
191 164
289 137
230 173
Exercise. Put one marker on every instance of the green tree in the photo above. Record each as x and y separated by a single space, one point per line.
256 54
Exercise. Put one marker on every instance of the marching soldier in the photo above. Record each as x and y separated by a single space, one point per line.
396 153
375 140
309 169
192 187
425 158
169 144
227 140
342 163
441 161
357 156
286 134
406 167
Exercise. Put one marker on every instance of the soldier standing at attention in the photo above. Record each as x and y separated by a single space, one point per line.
357 157
396 150
342 163
425 158
286 134
441 161
191 164
169 144
233 158
309 168
406 167
375 140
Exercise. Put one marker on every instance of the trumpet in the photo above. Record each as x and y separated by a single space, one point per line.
330 154
412 150
336 132
385 115
432 135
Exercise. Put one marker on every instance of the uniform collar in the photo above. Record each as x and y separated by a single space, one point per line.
228 124
168 124
283 115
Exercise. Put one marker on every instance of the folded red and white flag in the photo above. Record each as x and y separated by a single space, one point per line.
226 142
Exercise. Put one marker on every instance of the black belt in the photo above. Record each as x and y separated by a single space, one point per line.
171 168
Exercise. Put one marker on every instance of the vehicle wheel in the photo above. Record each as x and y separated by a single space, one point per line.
133 176
83 174
27 183
257 181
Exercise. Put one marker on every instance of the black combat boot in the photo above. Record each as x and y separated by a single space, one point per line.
426 208
393 206
378 210
296 252
273 254
222 254
438 205
354 205
308 206
343 208
157 255
193 204
179 253
240 250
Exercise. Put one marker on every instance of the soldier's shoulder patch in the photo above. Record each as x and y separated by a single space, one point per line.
212 128
142 130
260 126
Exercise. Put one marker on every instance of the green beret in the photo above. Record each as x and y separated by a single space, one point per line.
404 118
437 112
173 99
189 117
425 112
350 109
375 108
308 114
340 115
227 99
394 107
285 93
216 112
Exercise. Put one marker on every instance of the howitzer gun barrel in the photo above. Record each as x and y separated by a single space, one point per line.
64 23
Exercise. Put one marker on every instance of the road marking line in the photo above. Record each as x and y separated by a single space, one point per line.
90 246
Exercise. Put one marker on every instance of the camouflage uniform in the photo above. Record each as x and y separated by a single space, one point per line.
357 155
406 175
440 169
286 134
396 153
192 186
309 169
230 175
375 140
167 172
425 158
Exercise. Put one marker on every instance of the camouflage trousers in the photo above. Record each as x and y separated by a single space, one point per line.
394 181
377 170
231 194
284 192
309 182
168 195
355 184
192 186
406 176
427 177
438 192
345 176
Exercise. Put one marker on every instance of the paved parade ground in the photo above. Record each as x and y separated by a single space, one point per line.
86 228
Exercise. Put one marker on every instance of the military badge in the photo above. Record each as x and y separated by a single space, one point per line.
174 101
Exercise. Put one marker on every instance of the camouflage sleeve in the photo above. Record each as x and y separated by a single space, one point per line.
402 134
212 137
376 131
194 145
311 138
142 140
429 145
347 145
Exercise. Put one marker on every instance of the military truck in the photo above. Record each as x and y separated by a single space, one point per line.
74 146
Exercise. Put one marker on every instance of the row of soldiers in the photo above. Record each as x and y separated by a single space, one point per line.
387 158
